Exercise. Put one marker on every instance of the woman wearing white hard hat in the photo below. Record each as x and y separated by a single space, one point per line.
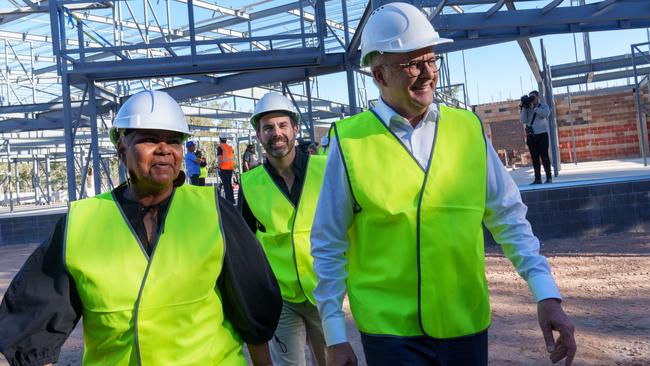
162 273
398 226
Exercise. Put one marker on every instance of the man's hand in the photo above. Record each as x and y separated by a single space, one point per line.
260 354
552 318
341 355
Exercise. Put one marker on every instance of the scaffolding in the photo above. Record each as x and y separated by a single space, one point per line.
70 64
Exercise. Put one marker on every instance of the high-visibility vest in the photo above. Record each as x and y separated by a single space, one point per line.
165 310
227 157
287 228
416 263
203 172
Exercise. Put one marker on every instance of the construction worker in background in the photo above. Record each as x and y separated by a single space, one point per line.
148 295
226 165
203 168
324 145
192 163
406 189
278 201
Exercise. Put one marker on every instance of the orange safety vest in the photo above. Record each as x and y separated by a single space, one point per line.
227 158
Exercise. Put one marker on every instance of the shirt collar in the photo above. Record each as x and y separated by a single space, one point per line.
387 115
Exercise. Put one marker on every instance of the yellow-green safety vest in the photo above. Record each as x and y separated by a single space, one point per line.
416 257
203 172
287 228
163 310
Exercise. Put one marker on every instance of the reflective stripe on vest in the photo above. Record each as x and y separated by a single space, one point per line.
286 239
416 263
227 157
163 310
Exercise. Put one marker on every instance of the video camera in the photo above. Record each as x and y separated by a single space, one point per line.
527 101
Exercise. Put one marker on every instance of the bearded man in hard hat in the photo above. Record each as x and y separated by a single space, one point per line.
162 273
406 189
278 203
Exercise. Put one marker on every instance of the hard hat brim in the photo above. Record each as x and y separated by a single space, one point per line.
406 49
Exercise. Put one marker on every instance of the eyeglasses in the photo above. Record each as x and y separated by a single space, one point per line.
414 68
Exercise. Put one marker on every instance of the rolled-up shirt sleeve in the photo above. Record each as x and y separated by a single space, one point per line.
505 217
329 243
250 293
41 306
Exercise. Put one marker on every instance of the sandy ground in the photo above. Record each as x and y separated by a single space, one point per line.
605 282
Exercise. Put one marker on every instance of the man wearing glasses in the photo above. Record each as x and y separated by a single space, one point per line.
398 225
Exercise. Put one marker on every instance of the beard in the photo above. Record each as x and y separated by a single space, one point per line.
279 152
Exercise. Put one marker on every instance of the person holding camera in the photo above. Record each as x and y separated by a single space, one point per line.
534 115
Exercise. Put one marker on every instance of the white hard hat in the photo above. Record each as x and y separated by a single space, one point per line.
272 102
149 110
397 28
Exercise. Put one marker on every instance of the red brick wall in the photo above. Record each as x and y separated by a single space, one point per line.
604 124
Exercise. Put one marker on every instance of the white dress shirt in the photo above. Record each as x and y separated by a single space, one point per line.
505 217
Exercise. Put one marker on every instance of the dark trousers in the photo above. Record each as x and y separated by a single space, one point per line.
202 181
425 351
194 179
226 180
538 146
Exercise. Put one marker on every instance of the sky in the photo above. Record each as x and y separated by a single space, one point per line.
501 72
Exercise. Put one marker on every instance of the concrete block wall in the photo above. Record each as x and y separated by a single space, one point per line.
27 229
597 209
604 124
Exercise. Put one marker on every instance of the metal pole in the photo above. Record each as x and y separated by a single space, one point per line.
309 109
31 59
17 181
7 73
94 140
69 141
48 182
190 15
35 179
11 198
551 118
573 134
639 115
349 71
302 23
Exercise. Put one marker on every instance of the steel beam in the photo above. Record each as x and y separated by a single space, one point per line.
472 29
602 64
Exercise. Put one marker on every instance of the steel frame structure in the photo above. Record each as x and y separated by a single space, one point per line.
100 52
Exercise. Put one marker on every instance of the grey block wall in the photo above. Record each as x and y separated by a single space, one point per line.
553 213
27 229
591 209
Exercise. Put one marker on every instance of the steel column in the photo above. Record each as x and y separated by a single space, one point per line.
349 71
573 133
94 140
17 181
639 113
69 140
35 179
548 88
310 113
11 198
48 181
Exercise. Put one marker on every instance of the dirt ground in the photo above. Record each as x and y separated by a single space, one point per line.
605 282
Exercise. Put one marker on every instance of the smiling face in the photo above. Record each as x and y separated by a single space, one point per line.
410 96
153 157
277 134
